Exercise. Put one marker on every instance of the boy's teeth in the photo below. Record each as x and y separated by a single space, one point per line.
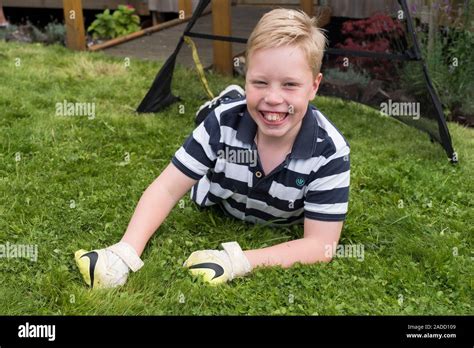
271 116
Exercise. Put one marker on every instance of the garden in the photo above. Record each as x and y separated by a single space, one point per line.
72 180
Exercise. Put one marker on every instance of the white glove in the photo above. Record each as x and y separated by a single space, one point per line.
107 268
219 266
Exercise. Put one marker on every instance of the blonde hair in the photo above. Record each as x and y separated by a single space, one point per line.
281 27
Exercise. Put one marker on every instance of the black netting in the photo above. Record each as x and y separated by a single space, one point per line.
376 61
396 88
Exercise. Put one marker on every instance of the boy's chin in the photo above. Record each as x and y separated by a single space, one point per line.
274 130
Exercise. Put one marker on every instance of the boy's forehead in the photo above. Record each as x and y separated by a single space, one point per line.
292 50
262 74
258 66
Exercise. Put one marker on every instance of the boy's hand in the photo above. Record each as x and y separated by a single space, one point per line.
109 267
219 266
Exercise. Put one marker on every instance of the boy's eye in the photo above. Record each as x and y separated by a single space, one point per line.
286 84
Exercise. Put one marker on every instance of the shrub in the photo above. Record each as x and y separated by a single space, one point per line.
349 76
447 52
55 32
122 22
379 33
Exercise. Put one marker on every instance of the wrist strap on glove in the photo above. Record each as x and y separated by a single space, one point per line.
240 264
128 255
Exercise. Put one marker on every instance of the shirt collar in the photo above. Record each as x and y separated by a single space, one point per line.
305 142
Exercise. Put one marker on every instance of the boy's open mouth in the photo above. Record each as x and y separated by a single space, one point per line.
274 118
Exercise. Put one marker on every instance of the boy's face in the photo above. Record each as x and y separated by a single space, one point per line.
278 86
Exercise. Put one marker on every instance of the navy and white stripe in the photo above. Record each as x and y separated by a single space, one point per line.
313 181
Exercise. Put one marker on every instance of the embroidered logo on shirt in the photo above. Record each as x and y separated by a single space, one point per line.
300 181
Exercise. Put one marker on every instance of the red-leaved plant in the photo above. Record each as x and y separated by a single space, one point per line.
379 33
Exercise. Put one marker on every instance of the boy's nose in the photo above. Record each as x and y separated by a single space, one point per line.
273 97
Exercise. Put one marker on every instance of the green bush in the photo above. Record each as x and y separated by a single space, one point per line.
55 32
461 70
349 76
447 51
122 22
450 68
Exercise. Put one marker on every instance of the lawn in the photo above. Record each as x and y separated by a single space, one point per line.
71 182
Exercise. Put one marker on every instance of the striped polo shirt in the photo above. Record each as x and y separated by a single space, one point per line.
312 182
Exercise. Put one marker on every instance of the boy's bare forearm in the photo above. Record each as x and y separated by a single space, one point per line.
154 206
304 250
152 209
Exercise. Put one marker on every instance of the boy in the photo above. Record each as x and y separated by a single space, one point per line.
301 173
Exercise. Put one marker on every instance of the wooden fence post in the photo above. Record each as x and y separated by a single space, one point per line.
221 25
186 6
74 21
307 6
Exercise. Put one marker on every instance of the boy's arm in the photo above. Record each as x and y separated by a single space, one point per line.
317 245
320 237
155 205
219 266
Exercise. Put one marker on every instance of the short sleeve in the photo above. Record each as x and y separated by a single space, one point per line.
327 196
198 153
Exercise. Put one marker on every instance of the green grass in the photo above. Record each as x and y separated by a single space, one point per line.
418 258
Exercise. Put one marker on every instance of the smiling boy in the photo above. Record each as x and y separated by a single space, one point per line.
301 174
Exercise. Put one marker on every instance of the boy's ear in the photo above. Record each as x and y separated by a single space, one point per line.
316 83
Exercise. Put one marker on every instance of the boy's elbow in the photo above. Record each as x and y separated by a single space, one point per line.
326 259
315 252
321 252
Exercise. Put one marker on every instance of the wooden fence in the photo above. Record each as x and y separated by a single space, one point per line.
221 19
